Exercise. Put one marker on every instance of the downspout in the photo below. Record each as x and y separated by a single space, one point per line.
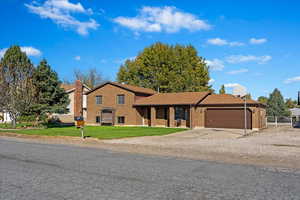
191 124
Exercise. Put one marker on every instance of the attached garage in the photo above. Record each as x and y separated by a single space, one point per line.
227 118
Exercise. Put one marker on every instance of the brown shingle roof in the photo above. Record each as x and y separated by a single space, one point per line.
181 98
223 99
132 88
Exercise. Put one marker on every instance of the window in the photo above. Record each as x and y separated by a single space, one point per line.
98 99
121 99
161 113
121 120
180 113
97 119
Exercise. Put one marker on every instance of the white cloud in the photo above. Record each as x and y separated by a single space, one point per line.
257 40
2 52
60 12
217 41
162 19
292 80
237 89
215 64
248 58
77 58
30 51
211 81
222 42
239 71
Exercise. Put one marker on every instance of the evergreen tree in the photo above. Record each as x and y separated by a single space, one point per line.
167 68
49 96
16 73
222 90
276 105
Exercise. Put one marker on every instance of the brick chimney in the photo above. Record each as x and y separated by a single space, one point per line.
78 101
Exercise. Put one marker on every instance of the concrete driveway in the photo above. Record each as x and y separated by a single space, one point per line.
274 146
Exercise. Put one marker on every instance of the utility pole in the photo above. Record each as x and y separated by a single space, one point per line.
245 115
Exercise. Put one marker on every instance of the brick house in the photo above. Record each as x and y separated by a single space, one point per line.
120 104
71 90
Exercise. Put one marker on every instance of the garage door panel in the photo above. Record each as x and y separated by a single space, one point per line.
227 118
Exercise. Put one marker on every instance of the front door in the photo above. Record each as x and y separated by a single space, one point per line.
107 117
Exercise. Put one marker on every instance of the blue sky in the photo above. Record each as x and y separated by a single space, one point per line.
251 44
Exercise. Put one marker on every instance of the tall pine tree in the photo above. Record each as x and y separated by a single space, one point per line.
49 96
167 68
276 105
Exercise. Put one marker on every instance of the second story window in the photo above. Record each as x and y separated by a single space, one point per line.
121 99
98 99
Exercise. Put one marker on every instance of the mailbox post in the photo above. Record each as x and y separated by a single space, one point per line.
80 124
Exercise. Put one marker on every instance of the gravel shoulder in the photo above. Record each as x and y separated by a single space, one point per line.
276 147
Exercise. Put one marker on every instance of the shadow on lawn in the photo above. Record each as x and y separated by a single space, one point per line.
58 125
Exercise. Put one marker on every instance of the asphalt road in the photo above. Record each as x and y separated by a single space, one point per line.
46 171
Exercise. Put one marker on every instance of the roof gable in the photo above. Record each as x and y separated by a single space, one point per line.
132 88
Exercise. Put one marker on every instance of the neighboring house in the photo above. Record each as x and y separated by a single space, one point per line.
70 90
121 104
295 113
4 117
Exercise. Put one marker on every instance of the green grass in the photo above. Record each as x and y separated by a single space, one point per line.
19 125
101 132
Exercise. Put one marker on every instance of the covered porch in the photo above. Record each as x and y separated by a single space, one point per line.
165 115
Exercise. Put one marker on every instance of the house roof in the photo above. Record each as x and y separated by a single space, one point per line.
180 98
131 88
67 87
71 87
223 99
295 111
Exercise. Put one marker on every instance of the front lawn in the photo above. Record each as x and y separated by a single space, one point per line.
101 132
18 126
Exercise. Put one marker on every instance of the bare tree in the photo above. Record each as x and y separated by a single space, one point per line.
91 78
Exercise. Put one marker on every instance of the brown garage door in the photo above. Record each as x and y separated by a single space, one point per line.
227 118
107 117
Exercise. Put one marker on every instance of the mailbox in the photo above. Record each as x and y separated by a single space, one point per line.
78 118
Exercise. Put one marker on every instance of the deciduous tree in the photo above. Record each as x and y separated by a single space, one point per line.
91 78
262 99
290 103
167 68
16 83
222 90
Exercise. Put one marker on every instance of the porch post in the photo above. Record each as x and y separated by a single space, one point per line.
153 116
171 116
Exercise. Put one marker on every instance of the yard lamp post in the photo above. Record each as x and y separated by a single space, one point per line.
245 115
